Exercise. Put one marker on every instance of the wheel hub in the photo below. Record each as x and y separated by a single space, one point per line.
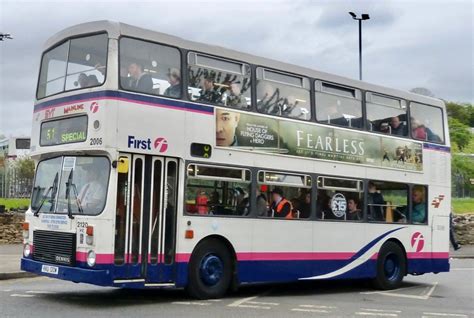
211 269
392 267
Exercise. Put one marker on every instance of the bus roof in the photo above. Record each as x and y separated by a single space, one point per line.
117 29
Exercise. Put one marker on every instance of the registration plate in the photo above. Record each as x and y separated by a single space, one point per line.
50 269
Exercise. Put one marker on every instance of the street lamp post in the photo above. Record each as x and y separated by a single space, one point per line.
364 16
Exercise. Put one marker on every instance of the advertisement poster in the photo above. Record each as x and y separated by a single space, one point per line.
273 135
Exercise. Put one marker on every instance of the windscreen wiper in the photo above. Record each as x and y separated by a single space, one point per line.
70 185
52 189
68 194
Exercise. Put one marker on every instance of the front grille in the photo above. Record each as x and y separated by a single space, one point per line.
54 247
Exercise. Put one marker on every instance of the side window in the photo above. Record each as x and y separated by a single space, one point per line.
338 105
340 199
214 190
219 82
150 68
426 122
282 195
386 115
419 209
283 94
387 202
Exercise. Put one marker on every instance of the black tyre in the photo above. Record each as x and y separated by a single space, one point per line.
391 267
210 270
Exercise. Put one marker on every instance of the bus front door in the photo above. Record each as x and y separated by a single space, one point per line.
146 219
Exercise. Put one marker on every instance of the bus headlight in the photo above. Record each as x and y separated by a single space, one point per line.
26 250
91 258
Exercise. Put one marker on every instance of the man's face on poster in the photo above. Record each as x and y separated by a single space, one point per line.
226 123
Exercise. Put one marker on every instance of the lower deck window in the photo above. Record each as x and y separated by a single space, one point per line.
212 190
340 199
387 202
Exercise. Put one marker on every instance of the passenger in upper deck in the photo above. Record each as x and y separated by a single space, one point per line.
208 92
397 127
174 78
418 130
267 98
234 97
141 81
392 125
84 80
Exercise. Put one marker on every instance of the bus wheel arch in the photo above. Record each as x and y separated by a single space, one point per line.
391 265
212 268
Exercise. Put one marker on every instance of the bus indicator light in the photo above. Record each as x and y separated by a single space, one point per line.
189 234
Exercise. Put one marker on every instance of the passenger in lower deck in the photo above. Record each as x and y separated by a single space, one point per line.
418 214
354 213
375 203
280 207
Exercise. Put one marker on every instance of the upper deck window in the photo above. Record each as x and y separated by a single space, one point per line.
218 81
150 68
338 105
426 122
76 63
283 94
387 114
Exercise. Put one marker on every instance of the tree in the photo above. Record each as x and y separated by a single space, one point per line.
422 91
461 112
459 133
26 168
462 171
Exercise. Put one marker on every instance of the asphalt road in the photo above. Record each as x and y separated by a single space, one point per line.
431 296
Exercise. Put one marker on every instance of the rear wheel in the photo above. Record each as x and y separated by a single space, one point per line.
391 266
210 270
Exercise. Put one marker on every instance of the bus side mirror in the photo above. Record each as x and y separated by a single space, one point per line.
122 166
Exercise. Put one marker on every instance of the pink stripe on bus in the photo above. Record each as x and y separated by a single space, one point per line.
425 255
293 256
183 257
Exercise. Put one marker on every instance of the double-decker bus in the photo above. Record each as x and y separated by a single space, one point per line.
163 162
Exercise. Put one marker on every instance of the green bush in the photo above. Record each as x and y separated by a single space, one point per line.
15 204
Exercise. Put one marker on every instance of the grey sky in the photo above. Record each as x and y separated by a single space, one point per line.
406 44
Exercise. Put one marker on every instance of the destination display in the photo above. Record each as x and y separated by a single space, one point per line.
273 135
63 131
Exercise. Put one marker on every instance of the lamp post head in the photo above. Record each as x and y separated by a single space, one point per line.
364 16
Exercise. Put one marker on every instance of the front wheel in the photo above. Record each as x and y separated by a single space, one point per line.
210 270
391 267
